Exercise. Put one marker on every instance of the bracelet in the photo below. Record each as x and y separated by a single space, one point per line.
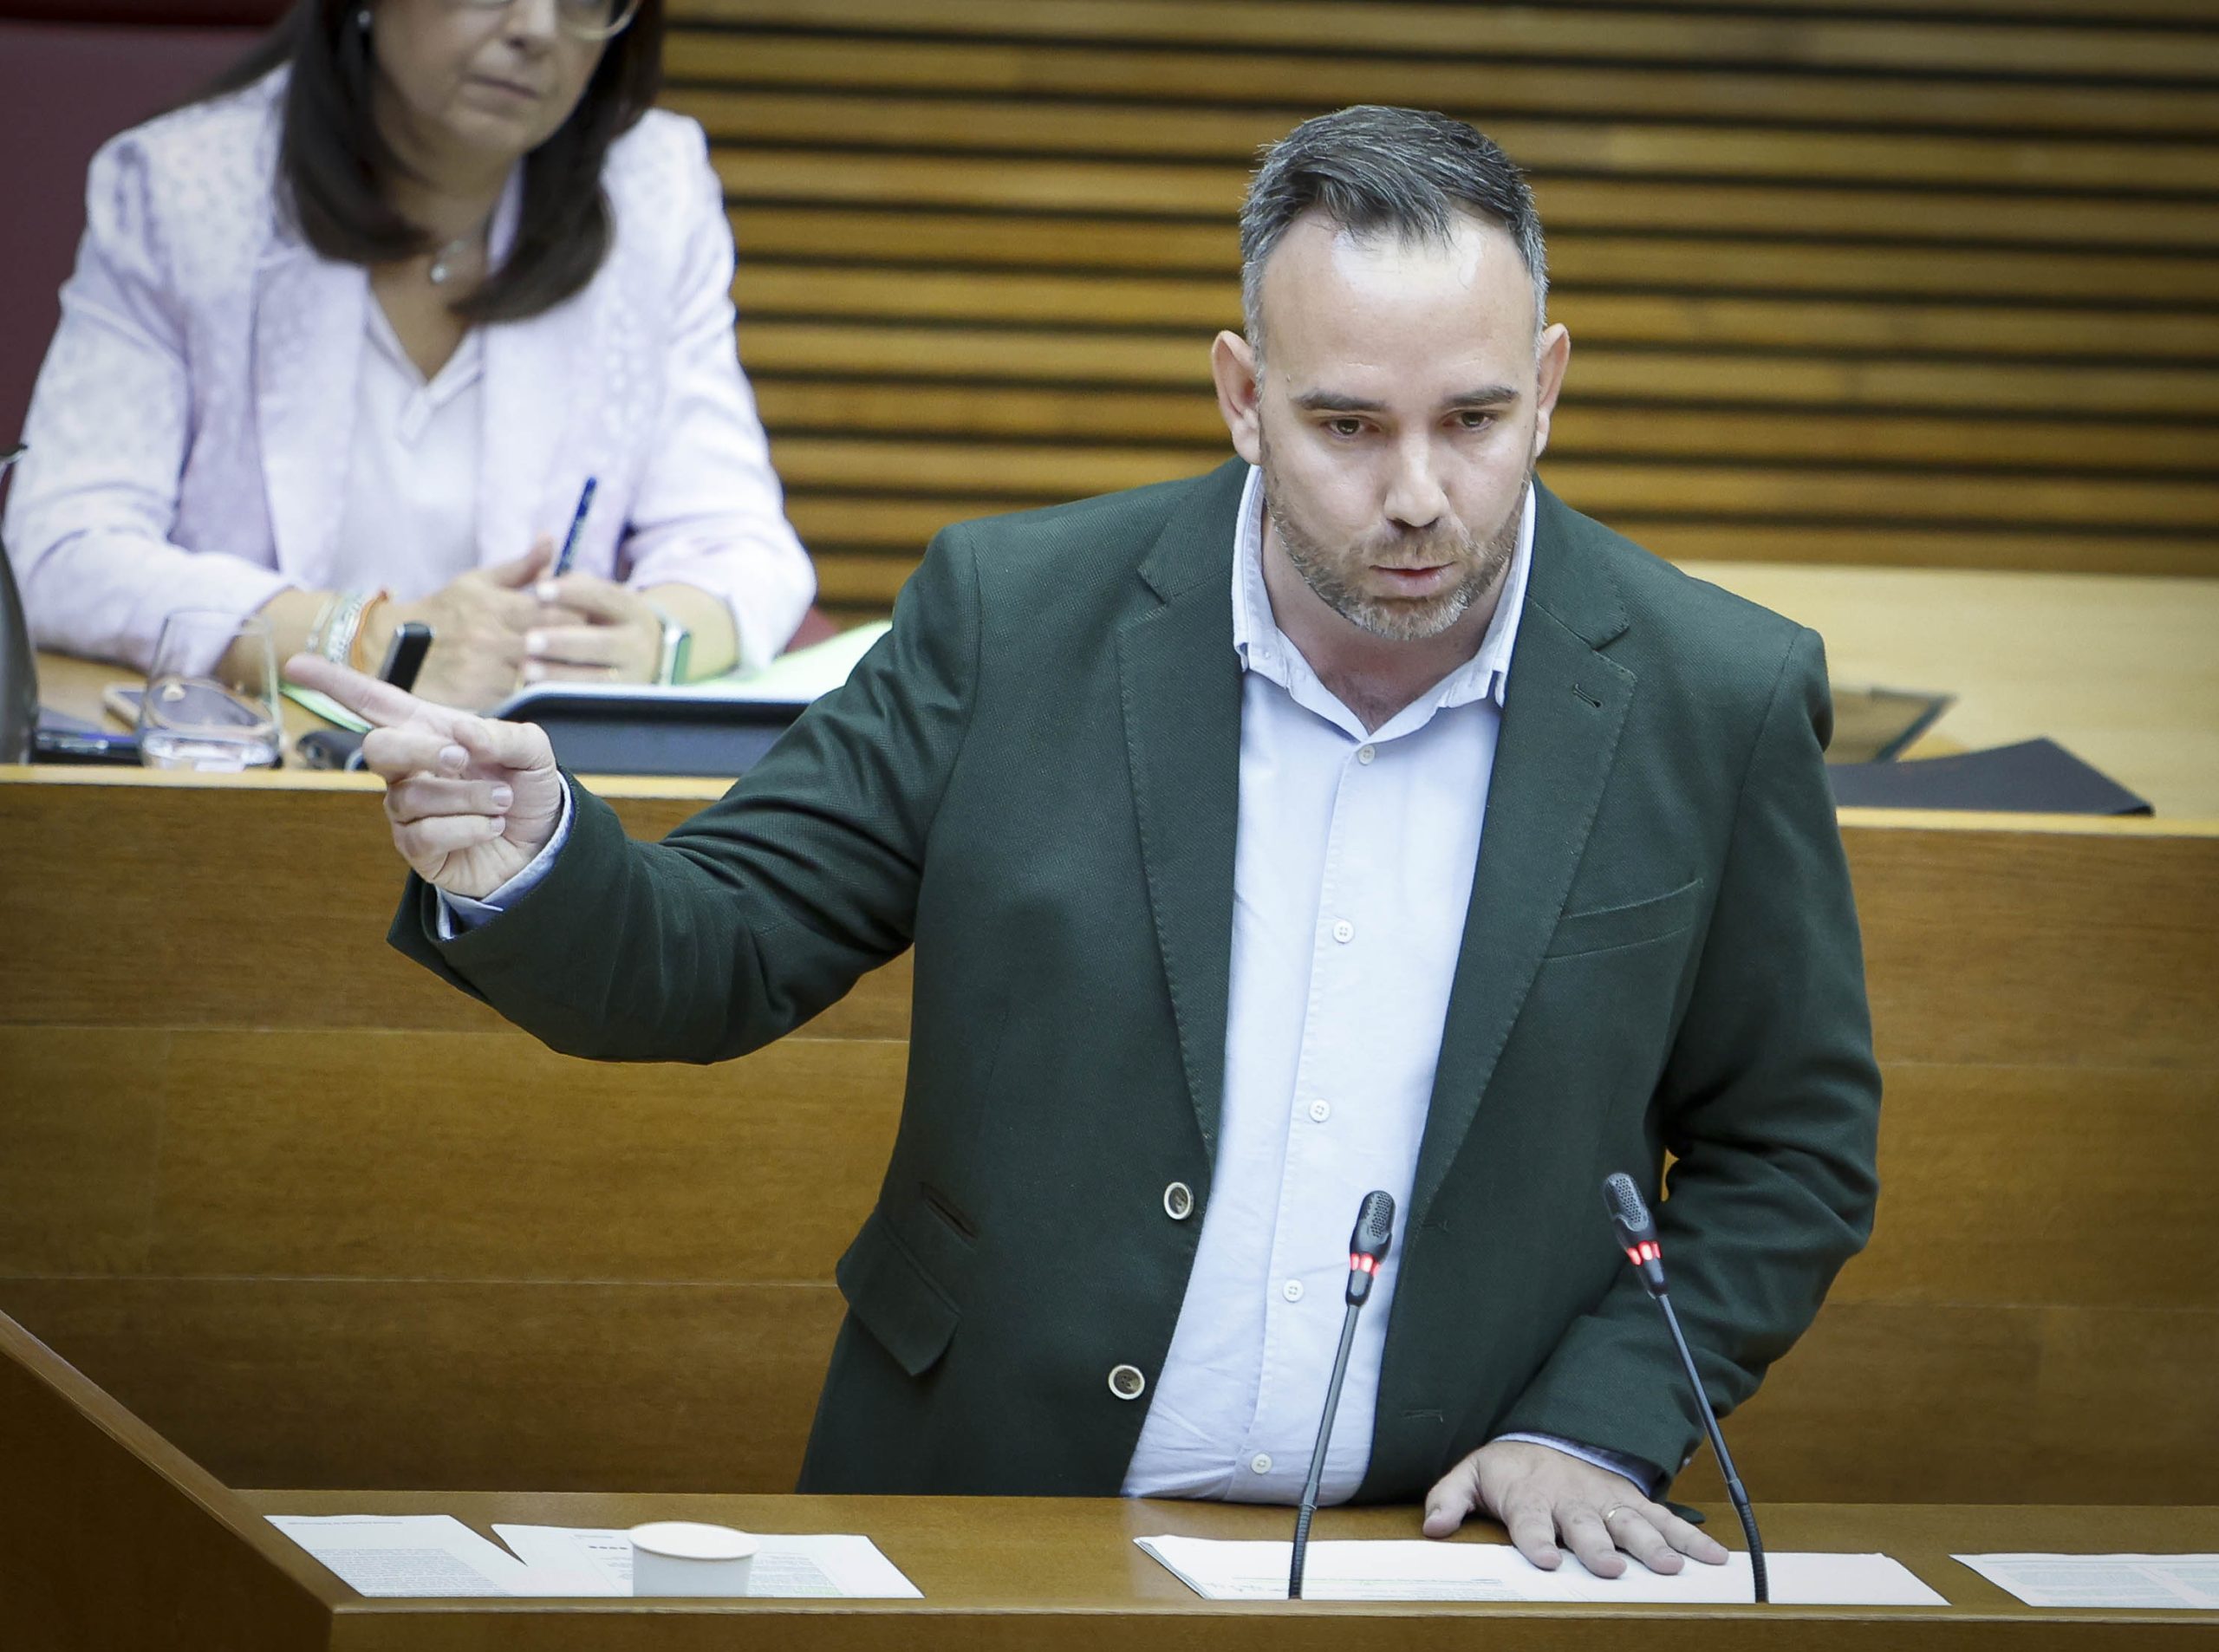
370 606
336 638
675 655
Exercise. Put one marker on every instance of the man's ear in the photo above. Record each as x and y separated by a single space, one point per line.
1232 366
1554 355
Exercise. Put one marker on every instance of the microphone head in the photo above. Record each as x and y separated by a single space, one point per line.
1375 1225
1622 1198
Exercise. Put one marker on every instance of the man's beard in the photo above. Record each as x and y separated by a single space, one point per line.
1334 576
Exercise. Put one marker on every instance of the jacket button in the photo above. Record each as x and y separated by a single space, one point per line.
1178 1201
1127 1382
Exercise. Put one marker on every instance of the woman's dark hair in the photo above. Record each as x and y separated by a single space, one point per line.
334 164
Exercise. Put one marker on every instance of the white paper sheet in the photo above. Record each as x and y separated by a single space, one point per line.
2173 1582
811 672
1420 1570
833 1567
422 1555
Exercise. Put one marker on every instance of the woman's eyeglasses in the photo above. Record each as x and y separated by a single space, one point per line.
589 20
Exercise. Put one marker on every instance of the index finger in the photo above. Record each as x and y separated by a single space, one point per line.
591 594
378 703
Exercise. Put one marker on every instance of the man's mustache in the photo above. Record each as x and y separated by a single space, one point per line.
1431 551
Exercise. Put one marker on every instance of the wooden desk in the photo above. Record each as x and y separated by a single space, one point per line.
2123 672
74 687
314 1214
112 1538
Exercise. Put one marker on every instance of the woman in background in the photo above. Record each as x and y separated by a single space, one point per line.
348 337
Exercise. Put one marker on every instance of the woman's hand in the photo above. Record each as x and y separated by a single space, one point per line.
478 625
471 800
593 630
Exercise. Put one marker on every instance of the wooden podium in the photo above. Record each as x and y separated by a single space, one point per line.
296 1215
112 1540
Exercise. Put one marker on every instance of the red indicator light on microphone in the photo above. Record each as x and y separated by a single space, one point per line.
1364 1263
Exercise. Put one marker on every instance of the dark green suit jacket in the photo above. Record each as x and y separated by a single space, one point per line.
1033 781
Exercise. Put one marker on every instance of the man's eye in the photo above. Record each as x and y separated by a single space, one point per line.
1473 420
1345 427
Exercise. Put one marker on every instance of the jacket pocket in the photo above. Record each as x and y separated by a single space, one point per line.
1627 926
900 1304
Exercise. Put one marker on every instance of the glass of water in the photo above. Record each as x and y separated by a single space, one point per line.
211 695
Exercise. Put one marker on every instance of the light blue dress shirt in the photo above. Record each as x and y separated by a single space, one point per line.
1353 873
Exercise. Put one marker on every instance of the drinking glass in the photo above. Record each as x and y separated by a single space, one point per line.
211 695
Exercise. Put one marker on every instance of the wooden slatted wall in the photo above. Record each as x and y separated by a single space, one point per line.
1863 281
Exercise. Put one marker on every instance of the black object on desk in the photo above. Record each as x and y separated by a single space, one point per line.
60 737
340 748
2035 777
632 730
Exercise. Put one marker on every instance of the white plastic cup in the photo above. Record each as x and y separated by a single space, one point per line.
686 1557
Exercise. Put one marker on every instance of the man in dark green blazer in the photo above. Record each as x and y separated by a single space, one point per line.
1064 779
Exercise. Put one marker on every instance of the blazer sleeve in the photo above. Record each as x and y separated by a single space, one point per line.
763 909
708 511
1770 1100
96 497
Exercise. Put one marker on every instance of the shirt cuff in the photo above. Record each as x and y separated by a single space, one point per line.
1643 1476
461 912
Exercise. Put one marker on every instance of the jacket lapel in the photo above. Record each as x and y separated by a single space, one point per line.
1564 706
309 317
1180 682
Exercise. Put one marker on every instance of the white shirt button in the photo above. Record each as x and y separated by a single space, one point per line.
1344 931
1291 1291
1321 1110
1261 1463
1364 754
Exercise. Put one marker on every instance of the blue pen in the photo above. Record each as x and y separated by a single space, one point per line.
577 525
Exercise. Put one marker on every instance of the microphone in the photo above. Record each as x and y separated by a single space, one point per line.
1638 1239
1375 1231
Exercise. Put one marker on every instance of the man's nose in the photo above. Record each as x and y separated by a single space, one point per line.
1415 497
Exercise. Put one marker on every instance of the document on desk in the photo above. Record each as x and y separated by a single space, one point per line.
425 1555
2174 1581
827 1567
1417 1569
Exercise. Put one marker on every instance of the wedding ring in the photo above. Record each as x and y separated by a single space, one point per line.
1614 1508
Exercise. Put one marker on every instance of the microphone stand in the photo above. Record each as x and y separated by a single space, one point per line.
1741 1499
1637 1233
1375 1230
1318 1458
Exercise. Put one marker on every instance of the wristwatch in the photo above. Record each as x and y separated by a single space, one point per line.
677 645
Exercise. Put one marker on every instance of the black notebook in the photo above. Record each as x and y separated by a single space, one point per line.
2035 777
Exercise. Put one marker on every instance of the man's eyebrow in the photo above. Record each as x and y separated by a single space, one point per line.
1492 395
1333 401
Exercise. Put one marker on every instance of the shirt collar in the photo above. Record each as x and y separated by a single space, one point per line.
1264 648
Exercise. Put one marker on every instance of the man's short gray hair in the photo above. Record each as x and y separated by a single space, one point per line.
1373 170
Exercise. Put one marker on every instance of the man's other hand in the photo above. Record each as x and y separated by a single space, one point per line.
472 799
1544 1496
